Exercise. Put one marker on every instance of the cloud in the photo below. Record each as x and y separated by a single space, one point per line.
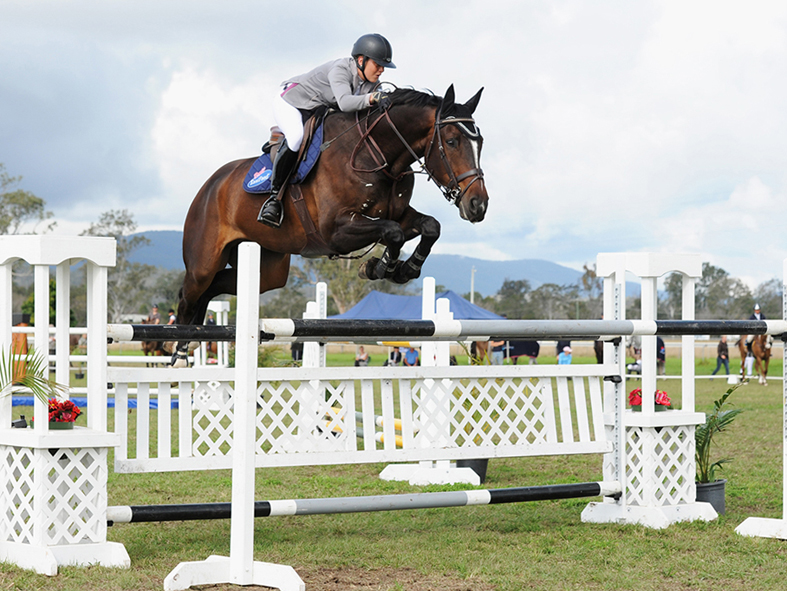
608 127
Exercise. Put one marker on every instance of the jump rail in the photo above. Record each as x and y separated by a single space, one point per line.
335 505
358 330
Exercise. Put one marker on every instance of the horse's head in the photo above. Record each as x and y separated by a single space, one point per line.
453 157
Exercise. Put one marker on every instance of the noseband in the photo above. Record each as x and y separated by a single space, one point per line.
453 192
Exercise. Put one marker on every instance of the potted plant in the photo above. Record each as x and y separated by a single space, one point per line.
662 401
709 488
25 372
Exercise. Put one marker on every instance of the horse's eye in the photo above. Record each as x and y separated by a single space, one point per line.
452 142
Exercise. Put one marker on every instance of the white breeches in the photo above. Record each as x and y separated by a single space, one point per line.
289 120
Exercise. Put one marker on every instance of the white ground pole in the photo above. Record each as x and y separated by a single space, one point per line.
654 494
764 527
240 568
433 354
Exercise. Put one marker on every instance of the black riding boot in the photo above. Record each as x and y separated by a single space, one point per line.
272 212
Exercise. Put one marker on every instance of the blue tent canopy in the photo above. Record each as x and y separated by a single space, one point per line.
386 306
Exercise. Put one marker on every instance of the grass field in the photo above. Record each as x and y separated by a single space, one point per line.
502 547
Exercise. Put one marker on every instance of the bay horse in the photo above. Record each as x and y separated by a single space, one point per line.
357 195
761 351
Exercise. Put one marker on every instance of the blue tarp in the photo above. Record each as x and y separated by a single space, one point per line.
81 402
386 306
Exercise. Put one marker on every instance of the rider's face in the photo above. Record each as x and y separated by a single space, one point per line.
371 71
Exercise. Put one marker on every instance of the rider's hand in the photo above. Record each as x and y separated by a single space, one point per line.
382 99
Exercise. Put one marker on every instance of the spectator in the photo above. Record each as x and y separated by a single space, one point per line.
565 356
394 358
635 344
497 354
361 358
172 318
296 351
560 346
722 356
411 357
598 349
154 317
211 347
661 356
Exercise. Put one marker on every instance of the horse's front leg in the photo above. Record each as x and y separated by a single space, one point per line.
388 233
429 229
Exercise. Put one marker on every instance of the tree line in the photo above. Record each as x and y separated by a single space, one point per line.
133 287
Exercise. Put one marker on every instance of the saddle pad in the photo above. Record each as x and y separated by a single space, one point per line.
258 179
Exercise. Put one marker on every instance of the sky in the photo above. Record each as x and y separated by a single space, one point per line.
649 126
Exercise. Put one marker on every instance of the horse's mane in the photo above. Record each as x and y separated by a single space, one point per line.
416 98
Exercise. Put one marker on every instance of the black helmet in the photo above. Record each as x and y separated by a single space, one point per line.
375 47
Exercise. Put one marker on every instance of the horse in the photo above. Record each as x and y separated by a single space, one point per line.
761 351
358 194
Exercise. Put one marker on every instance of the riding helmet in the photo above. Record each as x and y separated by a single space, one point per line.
375 47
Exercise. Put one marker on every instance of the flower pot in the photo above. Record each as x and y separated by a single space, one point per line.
713 493
478 466
56 426
658 407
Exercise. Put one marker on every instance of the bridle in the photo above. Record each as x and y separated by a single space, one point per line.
453 192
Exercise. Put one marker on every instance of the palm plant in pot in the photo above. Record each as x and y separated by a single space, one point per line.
709 488
24 372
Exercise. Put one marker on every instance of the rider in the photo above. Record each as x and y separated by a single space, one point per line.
756 315
346 83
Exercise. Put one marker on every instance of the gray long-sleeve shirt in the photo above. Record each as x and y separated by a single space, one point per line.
336 83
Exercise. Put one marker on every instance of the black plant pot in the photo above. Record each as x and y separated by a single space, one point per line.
713 493
478 466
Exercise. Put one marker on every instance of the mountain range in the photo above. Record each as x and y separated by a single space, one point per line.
449 270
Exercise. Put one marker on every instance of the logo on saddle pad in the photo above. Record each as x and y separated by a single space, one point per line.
260 177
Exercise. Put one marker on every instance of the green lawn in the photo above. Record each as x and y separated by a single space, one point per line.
504 547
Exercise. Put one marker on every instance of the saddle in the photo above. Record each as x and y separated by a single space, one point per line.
258 179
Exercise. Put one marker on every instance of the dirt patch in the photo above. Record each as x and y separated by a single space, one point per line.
389 579
358 579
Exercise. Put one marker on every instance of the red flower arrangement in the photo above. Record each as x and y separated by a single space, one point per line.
63 411
635 398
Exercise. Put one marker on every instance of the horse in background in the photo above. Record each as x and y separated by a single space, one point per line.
153 348
761 351
478 352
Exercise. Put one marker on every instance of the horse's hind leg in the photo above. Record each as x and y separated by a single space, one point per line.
274 269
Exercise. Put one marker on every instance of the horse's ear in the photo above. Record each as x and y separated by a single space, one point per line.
448 100
473 102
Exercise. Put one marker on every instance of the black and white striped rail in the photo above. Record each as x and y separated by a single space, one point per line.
424 330
329 506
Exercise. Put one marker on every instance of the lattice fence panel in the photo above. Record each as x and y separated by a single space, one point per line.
660 466
64 489
212 418
302 417
502 412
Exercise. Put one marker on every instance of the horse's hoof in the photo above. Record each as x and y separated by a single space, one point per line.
405 273
179 359
366 270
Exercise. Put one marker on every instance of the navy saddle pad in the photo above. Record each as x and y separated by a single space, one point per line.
258 179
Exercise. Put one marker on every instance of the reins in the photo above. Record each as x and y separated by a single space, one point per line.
453 192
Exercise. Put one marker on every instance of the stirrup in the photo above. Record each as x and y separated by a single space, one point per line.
270 218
